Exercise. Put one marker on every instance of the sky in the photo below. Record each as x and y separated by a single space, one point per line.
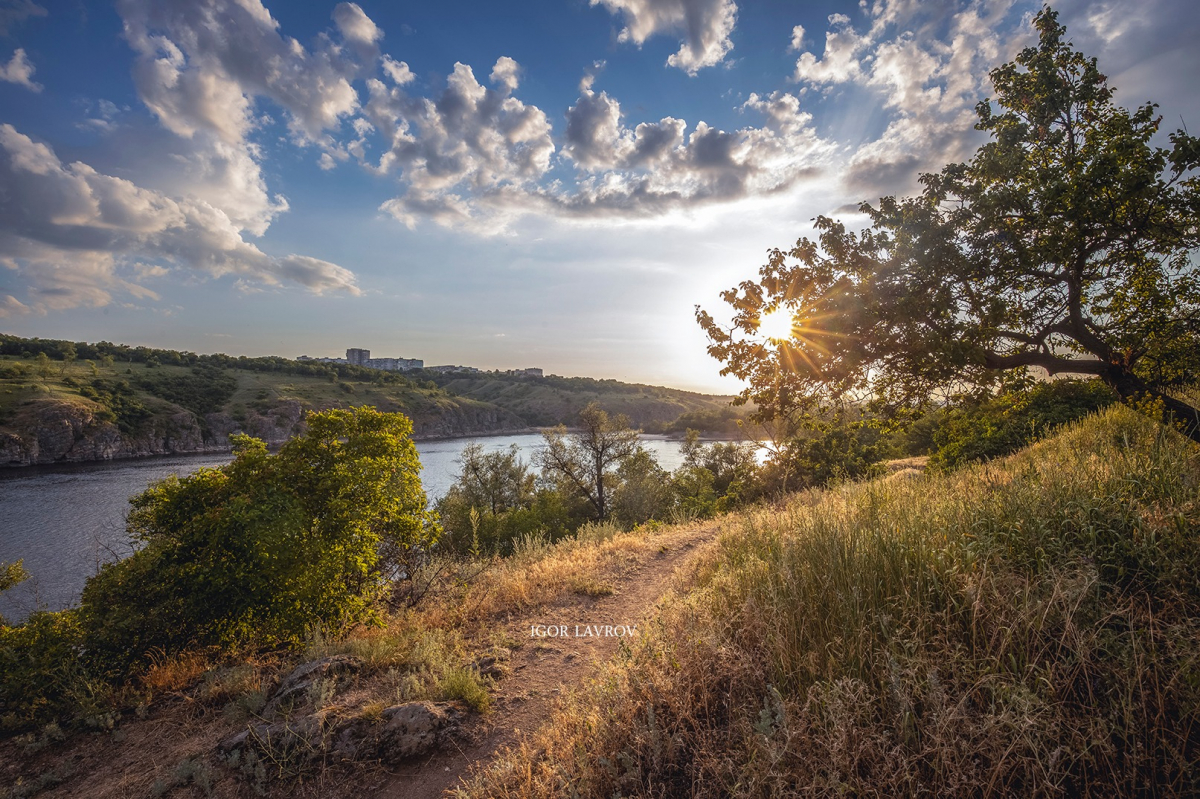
553 184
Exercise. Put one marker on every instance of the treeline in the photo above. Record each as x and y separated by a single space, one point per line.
601 474
579 385
107 352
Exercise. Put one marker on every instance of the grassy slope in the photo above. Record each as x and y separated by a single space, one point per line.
1025 627
261 389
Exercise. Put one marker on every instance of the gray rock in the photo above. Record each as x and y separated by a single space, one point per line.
296 684
400 732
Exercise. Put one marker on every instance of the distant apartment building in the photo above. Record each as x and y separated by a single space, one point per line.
360 357
394 364
447 368
531 372
321 360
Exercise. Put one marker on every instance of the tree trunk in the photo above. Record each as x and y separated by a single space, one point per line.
1132 388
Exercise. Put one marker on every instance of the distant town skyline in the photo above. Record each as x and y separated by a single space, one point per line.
550 184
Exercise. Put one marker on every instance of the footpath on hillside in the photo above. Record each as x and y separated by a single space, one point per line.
549 664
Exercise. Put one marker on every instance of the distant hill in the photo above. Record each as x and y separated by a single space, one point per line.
551 400
66 401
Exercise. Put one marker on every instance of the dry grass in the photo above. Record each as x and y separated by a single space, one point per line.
1026 627
168 674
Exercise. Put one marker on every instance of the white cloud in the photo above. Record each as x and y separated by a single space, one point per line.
18 70
704 26
470 140
203 63
398 71
797 38
927 65
355 25
840 62
656 168
76 236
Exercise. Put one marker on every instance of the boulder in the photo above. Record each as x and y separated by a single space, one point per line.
400 732
294 686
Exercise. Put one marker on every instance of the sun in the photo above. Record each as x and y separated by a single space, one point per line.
778 325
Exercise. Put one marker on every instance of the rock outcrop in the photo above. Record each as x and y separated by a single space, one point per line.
52 431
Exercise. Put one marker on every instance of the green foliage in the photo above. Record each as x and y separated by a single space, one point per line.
11 574
644 491
205 390
715 477
494 502
585 462
43 672
266 547
1067 243
1007 423
844 451
120 402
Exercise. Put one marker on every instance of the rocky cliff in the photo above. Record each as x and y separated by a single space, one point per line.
74 431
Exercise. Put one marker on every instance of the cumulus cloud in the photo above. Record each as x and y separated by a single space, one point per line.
355 25
926 63
704 26
467 141
797 38
398 71
18 70
75 235
203 63
477 157
658 167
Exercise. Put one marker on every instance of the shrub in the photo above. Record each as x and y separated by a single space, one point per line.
1006 423
264 548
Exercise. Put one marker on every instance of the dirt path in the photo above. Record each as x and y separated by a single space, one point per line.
544 667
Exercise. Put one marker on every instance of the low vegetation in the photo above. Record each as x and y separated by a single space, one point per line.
1025 626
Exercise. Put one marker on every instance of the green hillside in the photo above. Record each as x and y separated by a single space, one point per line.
75 401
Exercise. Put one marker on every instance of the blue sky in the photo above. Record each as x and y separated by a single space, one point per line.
552 184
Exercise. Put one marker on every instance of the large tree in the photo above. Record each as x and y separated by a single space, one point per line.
586 460
1068 242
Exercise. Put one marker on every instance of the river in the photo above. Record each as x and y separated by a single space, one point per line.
64 521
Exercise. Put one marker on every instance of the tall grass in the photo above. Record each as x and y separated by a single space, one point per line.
1028 626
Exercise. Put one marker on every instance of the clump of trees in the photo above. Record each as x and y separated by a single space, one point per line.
257 552
1066 243
595 472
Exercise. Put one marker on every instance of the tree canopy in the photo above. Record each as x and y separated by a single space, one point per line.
1068 242
586 460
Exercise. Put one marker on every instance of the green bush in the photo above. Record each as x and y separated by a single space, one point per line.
266 547
1007 423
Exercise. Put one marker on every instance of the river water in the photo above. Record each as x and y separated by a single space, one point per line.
64 521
